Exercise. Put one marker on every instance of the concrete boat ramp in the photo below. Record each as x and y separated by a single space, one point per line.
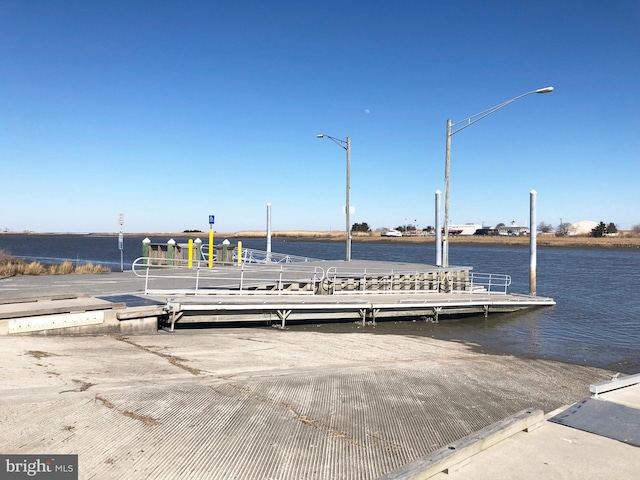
179 292
261 403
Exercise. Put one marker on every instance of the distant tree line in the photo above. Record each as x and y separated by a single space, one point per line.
360 227
599 230
406 228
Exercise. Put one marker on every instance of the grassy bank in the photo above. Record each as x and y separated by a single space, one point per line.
10 266
623 240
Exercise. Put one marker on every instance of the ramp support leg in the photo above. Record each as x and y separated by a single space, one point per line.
374 312
436 314
175 316
283 315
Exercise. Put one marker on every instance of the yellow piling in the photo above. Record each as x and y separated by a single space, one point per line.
210 247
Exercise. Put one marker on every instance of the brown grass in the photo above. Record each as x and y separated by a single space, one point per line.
623 240
91 268
10 267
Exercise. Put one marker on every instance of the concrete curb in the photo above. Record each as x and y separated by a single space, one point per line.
457 453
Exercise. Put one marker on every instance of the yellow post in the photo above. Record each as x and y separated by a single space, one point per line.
239 253
190 263
211 247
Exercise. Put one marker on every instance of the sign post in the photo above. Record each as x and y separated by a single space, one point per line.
121 241
211 222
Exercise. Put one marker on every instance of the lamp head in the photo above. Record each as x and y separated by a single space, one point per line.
545 90
320 135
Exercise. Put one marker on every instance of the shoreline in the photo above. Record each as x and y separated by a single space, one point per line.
625 240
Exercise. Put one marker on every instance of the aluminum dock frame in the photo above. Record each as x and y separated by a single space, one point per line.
364 291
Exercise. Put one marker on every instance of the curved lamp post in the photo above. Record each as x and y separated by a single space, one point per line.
346 144
466 123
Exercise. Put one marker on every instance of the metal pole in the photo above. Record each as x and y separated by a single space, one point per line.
121 241
467 122
268 231
346 144
447 162
532 242
348 208
438 230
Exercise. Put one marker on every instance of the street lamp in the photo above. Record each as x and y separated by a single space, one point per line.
466 123
346 144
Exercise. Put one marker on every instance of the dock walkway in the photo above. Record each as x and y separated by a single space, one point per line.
316 291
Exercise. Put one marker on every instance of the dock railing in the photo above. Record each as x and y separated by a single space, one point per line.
197 278
350 281
304 277
489 282
251 255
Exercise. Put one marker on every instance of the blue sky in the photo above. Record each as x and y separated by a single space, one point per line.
171 111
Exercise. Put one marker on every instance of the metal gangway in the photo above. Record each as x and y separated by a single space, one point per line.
253 256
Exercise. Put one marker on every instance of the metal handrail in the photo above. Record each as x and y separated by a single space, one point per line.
490 282
243 278
282 278
413 281
252 255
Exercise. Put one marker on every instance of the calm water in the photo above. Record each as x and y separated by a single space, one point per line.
596 320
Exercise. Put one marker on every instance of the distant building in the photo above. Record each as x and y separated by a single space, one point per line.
513 229
581 228
391 233
464 229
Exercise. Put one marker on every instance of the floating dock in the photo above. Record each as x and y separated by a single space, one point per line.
300 291
266 290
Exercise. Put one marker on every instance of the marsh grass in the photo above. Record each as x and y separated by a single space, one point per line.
10 266
91 268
